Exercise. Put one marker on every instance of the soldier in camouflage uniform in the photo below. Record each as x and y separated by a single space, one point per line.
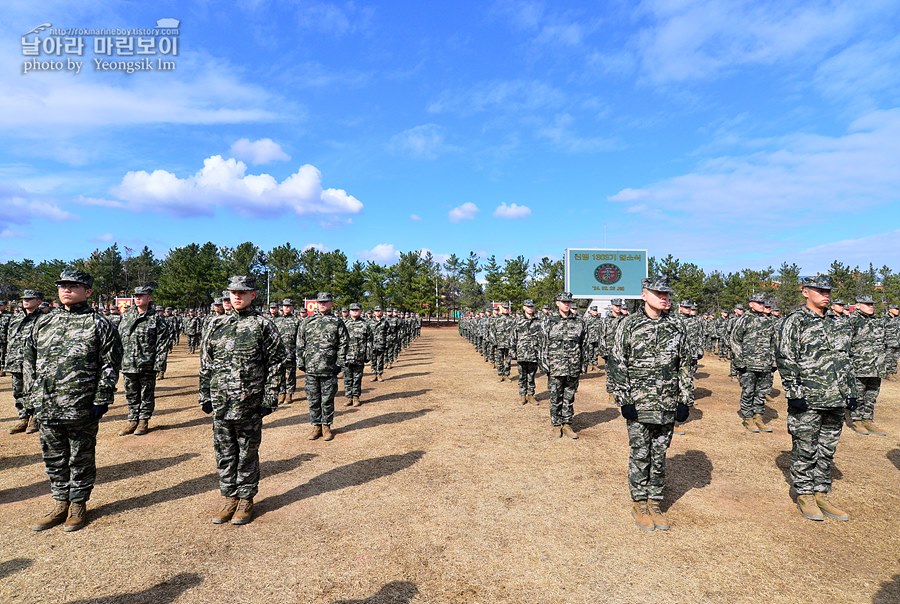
360 339
753 348
5 318
218 310
192 331
818 383
651 374
527 340
70 363
393 338
594 323
240 376
610 325
288 325
867 352
380 327
145 338
892 338
502 328
322 345
18 330
564 349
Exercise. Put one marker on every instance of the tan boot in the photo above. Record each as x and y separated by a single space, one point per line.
660 522
349 402
641 515
244 512
19 426
281 397
534 400
829 509
501 378
568 431
809 508
226 512
142 428
750 425
374 379
289 398
32 425
77 517
758 420
356 401
315 433
678 430
129 429
858 427
555 431
161 375
56 515
873 428
327 434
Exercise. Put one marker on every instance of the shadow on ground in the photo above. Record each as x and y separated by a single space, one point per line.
400 376
685 471
894 456
585 420
700 393
162 593
13 566
395 592
386 418
395 395
17 461
888 593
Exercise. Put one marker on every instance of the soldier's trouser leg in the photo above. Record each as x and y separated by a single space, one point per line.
68 451
503 361
289 383
353 375
527 371
18 386
647 460
815 435
320 391
610 368
868 388
377 361
753 392
562 398
237 456
140 394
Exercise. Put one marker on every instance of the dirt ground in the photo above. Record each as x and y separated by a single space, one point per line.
443 488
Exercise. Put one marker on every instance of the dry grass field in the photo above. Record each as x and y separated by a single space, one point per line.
443 488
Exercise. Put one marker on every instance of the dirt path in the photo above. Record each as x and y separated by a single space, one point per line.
442 488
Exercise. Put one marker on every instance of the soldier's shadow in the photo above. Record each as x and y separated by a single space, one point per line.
162 593
17 461
156 413
700 375
397 395
585 420
197 421
701 393
13 566
685 471
350 475
695 414
395 592
888 592
401 376
770 413
894 456
385 418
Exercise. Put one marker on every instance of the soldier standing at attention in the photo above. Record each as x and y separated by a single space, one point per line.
892 337
240 375
564 350
322 344
70 363
753 346
818 383
360 338
5 318
192 331
610 325
503 327
19 328
867 352
145 342
288 325
527 338
652 377
380 327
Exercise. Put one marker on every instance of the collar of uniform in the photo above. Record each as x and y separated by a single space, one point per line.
244 313
80 308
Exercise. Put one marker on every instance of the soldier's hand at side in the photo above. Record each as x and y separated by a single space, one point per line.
629 412
797 405
681 412
264 411
741 369
852 403
337 369
206 407
97 411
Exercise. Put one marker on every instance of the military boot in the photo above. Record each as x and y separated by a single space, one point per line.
327 434
678 430
289 398
32 425
244 512
56 515
524 400
660 522
315 433
829 509
809 508
19 426
501 378
568 431
161 375
534 400
349 402
555 431
858 427
750 425
77 517
356 401
129 429
281 397
375 379
758 420
226 512
873 428
142 428
641 515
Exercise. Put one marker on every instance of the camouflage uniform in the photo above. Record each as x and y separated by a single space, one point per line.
145 341
611 323
816 370
564 350
892 341
527 339
192 331
288 325
502 328
380 328
753 348
322 344
70 362
17 332
5 318
867 354
241 359
359 339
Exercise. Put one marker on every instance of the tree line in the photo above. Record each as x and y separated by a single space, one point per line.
192 275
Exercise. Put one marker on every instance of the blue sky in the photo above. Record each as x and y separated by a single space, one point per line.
730 134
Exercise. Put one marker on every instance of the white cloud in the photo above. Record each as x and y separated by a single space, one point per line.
466 211
439 258
561 134
862 72
104 238
511 96
225 183
20 207
383 253
512 210
415 217
424 142
258 152
315 246
879 249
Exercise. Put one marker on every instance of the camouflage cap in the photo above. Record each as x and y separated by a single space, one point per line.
287 302
685 303
31 294
343 309
594 307
355 306
217 301
739 306
324 297
768 303
545 307
225 295
528 303
377 308
775 308
273 305
864 300
657 284
170 309
893 307
505 305
693 305
45 305
242 283
70 275
756 298
143 290
616 301
564 297
817 282
839 302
